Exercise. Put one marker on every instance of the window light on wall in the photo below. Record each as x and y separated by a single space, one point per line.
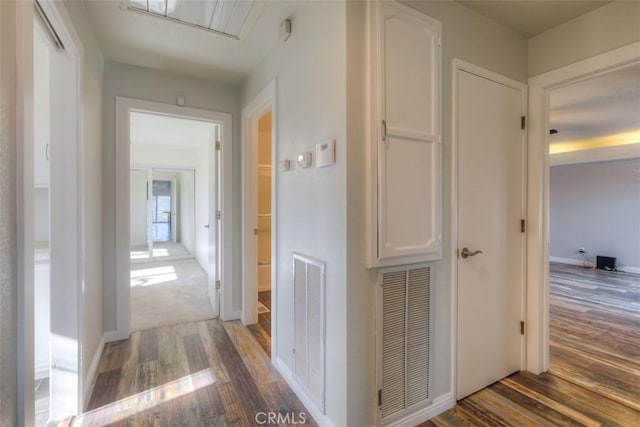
227 17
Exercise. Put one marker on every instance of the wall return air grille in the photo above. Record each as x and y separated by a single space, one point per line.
226 17
406 342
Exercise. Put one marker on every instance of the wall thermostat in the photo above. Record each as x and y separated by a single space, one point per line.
284 165
326 153
303 160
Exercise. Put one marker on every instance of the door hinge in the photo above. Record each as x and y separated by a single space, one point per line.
523 122
522 226
521 327
379 397
218 215
218 285
218 145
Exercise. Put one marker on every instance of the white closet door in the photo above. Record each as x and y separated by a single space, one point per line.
409 143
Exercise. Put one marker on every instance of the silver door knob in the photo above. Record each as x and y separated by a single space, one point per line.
206 226
466 253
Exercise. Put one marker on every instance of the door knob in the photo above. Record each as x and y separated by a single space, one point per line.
466 253
206 226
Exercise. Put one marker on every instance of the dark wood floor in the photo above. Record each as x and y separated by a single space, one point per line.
194 374
525 399
595 330
594 378
262 330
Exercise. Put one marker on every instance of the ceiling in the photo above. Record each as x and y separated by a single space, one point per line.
144 40
599 107
532 17
168 131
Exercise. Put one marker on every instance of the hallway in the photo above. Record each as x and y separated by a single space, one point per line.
200 373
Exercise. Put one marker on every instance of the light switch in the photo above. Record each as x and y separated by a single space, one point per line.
303 160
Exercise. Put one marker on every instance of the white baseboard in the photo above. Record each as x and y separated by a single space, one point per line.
41 372
111 336
569 261
438 406
89 380
580 262
318 417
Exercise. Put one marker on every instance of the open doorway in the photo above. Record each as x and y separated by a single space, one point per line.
259 286
194 159
172 188
55 228
594 232
264 168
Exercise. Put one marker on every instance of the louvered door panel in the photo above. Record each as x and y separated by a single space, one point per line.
405 342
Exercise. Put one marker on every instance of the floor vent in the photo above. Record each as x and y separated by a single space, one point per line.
309 327
405 342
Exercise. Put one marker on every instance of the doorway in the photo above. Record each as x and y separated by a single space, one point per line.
53 224
259 216
490 154
153 190
594 233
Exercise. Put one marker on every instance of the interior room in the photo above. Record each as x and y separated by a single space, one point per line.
595 233
333 213
168 199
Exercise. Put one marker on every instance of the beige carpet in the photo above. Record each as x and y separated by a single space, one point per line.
168 293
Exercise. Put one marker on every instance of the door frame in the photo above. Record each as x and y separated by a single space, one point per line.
70 222
264 101
122 159
538 191
461 65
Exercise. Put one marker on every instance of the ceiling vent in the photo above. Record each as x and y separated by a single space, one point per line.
227 17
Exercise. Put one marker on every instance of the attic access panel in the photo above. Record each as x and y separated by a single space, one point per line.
227 17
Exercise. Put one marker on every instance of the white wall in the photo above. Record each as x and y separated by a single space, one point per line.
138 210
611 26
92 202
149 155
164 87
186 209
310 69
596 206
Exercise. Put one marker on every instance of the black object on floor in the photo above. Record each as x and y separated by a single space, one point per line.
605 263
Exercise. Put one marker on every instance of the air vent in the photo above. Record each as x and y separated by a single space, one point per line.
405 343
227 17
309 327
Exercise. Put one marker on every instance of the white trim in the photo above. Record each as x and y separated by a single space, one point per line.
123 107
439 405
580 262
111 336
306 400
569 261
460 65
265 100
90 378
538 192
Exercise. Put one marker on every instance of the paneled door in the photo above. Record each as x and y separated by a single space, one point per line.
491 157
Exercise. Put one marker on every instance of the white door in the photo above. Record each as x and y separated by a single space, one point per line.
491 149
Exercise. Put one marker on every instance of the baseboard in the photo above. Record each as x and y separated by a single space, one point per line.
439 405
111 336
580 262
89 380
569 261
41 372
318 417
264 288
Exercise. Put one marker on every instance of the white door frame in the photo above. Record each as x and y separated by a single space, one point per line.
67 222
460 65
538 191
123 297
263 102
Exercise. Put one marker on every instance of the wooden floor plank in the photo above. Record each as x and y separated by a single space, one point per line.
190 374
